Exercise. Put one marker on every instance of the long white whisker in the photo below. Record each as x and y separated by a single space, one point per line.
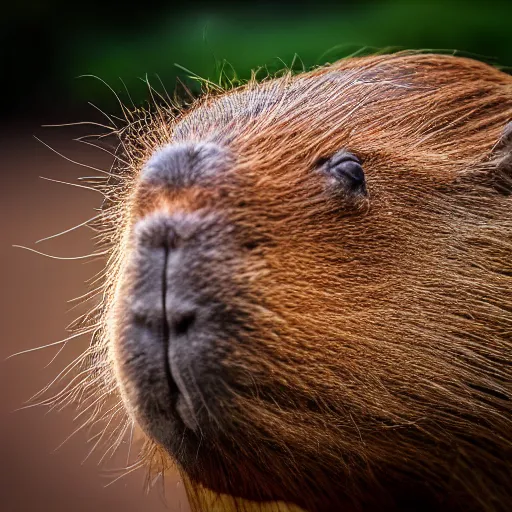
95 402
152 89
63 346
71 160
115 445
85 178
123 475
69 437
168 101
86 296
102 149
123 108
49 344
68 230
89 123
69 368
129 96
104 113
102 253
104 431
74 185
130 443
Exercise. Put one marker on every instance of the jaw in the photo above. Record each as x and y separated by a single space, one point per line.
249 466
257 476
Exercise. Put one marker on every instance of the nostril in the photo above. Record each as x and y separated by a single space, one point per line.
183 323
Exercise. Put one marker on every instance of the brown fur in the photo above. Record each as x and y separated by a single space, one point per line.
377 374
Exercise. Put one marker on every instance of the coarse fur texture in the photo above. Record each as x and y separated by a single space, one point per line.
338 350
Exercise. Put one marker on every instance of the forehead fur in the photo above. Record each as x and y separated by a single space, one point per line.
416 107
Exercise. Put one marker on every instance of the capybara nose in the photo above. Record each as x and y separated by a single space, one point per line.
172 286
164 248
168 249
173 314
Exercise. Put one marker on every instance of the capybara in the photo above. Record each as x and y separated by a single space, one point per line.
308 298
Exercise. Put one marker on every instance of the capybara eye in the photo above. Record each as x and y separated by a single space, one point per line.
347 171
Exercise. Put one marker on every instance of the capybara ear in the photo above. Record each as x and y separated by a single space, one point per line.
505 141
503 152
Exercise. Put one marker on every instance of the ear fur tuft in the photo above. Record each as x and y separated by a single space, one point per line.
503 175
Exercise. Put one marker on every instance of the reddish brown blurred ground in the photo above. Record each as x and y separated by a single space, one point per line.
33 476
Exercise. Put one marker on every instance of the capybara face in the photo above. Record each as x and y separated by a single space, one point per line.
310 290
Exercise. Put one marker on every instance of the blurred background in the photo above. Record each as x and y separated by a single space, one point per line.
45 47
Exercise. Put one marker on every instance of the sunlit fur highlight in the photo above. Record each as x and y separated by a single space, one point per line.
394 363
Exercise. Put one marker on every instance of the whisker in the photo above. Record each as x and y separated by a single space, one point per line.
87 295
130 442
123 108
69 368
185 88
200 79
89 123
76 335
115 445
92 255
68 230
123 475
137 464
85 178
94 403
74 185
117 157
101 112
168 101
57 354
71 160
129 96
152 89
69 437
93 449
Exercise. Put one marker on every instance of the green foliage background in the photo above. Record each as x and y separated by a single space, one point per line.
46 47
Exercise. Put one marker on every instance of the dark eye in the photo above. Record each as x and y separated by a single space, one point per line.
346 171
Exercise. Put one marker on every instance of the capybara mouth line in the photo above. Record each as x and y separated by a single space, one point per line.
173 387
179 403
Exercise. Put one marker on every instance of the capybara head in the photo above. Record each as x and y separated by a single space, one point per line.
309 292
